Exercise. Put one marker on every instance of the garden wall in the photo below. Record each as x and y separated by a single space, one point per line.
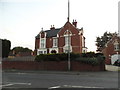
51 65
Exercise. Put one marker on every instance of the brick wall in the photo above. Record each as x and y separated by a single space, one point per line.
50 65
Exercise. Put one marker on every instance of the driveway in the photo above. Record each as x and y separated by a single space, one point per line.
112 68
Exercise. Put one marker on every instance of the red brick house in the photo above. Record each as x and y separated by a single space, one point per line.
111 49
60 40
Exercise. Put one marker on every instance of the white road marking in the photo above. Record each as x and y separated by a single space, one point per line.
6 85
54 87
23 83
11 83
72 86
19 83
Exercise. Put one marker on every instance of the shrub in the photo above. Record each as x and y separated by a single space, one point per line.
101 58
99 54
62 57
92 61
51 57
88 54
89 58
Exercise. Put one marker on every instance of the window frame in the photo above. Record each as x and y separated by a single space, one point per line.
116 47
42 43
55 42
67 40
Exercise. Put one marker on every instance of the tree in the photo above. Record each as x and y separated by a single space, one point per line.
6 45
101 41
21 49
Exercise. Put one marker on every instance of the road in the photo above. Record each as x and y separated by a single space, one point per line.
54 79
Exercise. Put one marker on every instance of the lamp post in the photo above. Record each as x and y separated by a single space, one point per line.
69 63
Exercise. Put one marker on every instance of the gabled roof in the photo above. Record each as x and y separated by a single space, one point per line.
111 41
38 36
52 33
55 31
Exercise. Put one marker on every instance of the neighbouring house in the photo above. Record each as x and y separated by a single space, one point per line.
13 54
112 50
23 54
68 38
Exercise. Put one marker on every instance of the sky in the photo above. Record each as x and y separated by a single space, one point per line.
22 20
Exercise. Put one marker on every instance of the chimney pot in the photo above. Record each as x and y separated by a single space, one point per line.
52 27
75 23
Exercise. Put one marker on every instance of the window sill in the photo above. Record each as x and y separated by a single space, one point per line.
55 46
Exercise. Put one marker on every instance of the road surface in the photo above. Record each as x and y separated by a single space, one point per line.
55 79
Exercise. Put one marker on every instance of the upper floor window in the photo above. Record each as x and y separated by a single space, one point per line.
55 42
42 43
116 45
67 40
67 35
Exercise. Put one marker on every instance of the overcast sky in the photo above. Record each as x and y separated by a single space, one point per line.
22 20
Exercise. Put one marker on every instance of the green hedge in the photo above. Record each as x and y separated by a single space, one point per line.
92 61
51 57
88 58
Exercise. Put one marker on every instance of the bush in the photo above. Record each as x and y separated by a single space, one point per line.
51 57
89 58
73 56
88 54
101 58
92 61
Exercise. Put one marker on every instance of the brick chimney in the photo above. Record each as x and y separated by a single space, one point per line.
52 27
74 23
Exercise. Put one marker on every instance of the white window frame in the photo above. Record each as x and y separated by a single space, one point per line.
42 52
83 40
116 47
67 40
55 42
42 43
67 37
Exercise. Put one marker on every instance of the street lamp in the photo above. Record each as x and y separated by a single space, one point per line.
69 63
